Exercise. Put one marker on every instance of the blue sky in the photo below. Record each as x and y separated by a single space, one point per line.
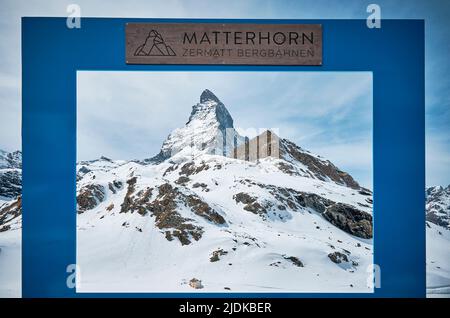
127 115
435 13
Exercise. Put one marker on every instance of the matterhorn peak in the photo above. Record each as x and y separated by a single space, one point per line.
207 95
211 109
208 126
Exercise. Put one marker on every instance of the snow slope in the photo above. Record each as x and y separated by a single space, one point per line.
11 264
438 264
438 241
127 252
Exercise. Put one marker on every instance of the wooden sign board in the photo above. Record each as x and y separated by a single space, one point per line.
223 43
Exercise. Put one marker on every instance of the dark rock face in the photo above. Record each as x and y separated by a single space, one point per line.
244 198
89 197
10 183
343 216
364 191
164 208
250 203
202 185
207 95
82 172
288 169
10 160
294 260
338 257
438 206
202 209
223 116
322 169
182 180
10 188
157 159
137 203
195 283
350 219
216 255
9 213
115 186
127 201
190 168
437 219
313 201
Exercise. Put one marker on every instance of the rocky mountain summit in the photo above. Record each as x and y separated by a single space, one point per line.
10 160
208 129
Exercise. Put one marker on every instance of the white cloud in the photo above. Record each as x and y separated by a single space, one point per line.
437 159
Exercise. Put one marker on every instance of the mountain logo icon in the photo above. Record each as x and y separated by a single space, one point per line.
154 45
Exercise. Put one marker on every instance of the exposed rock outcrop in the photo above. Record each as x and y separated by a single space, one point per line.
89 197
338 257
350 219
10 213
438 206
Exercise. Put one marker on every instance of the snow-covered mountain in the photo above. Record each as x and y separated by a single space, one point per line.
10 174
193 216
438 206
292 222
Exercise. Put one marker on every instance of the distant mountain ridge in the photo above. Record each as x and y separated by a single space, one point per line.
438 205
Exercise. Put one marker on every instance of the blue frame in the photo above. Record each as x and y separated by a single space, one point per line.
51 55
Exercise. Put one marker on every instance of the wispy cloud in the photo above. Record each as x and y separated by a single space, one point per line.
438 159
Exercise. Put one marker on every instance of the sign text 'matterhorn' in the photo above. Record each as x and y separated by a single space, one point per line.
224 43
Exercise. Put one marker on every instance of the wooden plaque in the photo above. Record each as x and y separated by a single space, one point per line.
223 43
